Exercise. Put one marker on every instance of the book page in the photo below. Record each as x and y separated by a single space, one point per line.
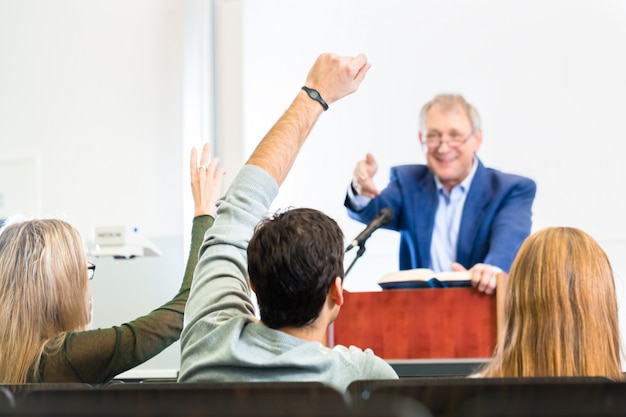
423 274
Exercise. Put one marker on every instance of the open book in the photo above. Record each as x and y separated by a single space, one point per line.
424 278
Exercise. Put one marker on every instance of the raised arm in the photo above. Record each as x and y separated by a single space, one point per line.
220 298
334 77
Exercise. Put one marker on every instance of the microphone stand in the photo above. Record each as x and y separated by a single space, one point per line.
383 218
358 255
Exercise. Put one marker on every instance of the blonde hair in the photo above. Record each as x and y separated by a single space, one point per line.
560 310
43 290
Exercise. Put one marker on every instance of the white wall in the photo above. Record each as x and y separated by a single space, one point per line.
546 76
93 90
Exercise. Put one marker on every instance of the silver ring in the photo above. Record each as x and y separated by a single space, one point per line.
202 168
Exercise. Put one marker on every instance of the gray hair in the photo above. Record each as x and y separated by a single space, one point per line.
450 102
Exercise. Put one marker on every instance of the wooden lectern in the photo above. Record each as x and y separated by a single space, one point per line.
424 323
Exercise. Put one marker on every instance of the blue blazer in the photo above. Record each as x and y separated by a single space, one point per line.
495 221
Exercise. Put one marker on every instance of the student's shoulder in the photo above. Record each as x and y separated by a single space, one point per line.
366 361
353 354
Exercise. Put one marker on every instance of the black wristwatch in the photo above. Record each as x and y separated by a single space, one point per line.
315 95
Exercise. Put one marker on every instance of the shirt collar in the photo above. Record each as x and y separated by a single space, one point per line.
463 185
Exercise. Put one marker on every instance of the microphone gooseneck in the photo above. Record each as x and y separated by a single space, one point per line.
383 218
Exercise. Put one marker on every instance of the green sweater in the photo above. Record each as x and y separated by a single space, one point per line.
96 356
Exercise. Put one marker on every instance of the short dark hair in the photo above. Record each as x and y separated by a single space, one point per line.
294 257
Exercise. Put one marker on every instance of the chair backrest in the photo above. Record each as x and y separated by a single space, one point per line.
7 402
205 399
20 391
577 396
360 390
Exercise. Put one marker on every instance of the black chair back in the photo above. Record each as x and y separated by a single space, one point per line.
7 402
174 399
513 397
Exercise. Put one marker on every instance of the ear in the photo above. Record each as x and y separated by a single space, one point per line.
251 285
420 137
336 291
478 140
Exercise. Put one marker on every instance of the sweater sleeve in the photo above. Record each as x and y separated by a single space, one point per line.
96 356
221 290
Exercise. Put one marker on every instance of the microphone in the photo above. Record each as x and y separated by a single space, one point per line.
383 218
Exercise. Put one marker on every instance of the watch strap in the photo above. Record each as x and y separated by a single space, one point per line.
315 95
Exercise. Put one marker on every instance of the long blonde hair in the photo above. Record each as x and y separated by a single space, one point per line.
43 291
560 310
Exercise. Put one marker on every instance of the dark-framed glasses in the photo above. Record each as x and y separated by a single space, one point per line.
91 269
434 140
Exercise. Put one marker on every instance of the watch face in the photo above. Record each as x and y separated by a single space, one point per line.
315 95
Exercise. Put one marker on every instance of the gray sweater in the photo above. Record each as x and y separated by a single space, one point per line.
222 340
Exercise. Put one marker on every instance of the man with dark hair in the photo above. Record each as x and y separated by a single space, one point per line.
306 251
294 261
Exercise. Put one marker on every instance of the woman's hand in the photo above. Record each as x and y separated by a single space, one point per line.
206 182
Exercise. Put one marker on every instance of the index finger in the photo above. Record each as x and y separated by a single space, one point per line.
204 158
193 163
360 64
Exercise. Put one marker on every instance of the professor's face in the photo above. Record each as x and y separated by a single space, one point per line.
450 144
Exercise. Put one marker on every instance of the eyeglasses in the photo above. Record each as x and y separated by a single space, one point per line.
91 269
434 140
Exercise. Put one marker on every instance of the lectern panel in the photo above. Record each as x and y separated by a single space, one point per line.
419 324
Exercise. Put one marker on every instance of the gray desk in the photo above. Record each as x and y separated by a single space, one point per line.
403 367
436 367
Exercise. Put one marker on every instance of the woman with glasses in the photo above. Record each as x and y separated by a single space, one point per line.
45 299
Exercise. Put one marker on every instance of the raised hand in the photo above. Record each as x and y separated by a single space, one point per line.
206 181
363 175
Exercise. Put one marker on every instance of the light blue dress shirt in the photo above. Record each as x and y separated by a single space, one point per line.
448 221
